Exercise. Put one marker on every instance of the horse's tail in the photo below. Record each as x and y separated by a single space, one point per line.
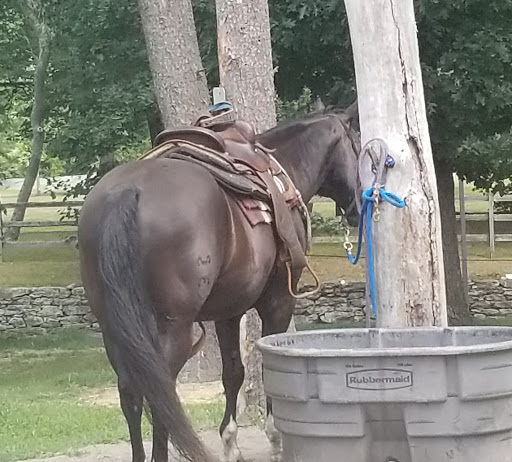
131 322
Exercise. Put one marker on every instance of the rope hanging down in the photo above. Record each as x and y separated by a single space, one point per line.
370 211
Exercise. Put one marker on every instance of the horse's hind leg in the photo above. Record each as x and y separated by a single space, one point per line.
228 334
276 310
131 404
176 342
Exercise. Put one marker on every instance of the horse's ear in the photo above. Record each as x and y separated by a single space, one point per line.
318 105
353 110
353 113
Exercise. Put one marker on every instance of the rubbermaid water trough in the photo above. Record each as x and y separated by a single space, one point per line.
405 395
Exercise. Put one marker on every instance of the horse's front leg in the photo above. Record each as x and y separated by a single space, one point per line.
228 334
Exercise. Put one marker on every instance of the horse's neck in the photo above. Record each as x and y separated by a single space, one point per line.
307 169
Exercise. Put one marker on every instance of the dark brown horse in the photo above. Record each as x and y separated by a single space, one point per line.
162 246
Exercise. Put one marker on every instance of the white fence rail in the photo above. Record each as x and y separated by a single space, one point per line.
491 217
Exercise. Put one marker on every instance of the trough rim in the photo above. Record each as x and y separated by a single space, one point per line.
266 346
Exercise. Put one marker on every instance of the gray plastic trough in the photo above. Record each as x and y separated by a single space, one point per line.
381 395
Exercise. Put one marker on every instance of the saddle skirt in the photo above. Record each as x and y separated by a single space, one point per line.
248 172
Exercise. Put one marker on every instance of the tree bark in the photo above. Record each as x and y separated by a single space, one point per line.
246 73
179 79
33 14
408 257
457 305
245 60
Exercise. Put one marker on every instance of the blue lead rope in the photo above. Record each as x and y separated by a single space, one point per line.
365 218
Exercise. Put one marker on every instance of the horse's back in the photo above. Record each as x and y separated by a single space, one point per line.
182 218
170 192
196 244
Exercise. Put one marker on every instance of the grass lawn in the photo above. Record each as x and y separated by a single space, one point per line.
43 380
39 266
59 266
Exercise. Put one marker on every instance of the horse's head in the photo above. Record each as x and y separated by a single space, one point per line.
320 152
340 183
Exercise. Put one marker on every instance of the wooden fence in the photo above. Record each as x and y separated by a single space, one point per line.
490 217
6 225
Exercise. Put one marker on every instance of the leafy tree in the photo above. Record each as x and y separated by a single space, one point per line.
101 91
32 23
311 45
466 50
12 147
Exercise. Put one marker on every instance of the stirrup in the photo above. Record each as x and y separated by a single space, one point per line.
305 294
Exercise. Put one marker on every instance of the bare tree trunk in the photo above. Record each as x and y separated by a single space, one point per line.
457 305
246 72
34 17
107 162
179 79
409 276
245 60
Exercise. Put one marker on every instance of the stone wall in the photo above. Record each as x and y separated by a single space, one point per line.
345 302
43 308
40 309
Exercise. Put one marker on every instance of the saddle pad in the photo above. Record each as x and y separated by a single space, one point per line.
255 211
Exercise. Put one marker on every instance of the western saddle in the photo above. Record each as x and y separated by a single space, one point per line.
241 165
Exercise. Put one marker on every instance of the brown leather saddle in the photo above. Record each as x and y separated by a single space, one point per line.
241 165
236 139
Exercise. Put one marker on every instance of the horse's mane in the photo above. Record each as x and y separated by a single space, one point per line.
299 122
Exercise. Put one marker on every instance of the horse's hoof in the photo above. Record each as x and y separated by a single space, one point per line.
235 456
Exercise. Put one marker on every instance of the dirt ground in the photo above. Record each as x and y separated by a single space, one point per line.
253 444
192 393
252 441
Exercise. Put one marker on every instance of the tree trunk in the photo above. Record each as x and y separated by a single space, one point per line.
107 162
245 60
457 305
246 73
408 257
33 14
179 79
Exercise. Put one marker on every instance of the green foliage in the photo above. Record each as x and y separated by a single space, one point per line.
325 226
293 108
487 162
206 29
101 83
466 52
311 48
466 55
12 162
100 91
14 150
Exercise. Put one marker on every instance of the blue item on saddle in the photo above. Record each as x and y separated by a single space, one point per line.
223 106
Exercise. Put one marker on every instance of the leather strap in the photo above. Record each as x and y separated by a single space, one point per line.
284 224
